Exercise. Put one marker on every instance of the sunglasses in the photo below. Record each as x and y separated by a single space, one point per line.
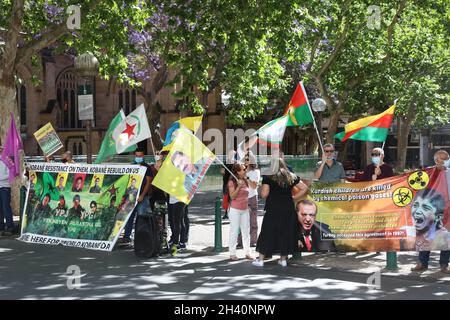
329 151
375 154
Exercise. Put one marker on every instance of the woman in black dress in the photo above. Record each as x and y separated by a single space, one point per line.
279 228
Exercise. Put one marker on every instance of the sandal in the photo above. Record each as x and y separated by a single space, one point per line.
234 258
249 257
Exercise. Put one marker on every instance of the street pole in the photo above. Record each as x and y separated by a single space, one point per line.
89 141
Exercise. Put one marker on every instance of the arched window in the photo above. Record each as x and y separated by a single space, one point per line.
120 100
23 105
127 102
66 110
133 99
67 95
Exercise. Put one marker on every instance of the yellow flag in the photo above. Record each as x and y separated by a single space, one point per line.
184 167
191 123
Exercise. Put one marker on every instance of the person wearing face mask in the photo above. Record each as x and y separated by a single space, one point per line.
67 157
377 170
422 210
329 170
143 203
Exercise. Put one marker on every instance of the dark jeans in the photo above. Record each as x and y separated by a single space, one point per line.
177 212
141 208
185 227
424 256
5 209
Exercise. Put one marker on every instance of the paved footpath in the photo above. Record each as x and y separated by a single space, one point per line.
40 272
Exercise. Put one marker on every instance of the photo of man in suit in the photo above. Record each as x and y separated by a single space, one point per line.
311 233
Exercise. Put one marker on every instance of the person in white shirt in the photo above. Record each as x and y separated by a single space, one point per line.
5 201
253 175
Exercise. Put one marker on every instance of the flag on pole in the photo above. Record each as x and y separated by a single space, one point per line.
374 128
133 129
270 135
185 167
298 108
10 154
191 123
108 147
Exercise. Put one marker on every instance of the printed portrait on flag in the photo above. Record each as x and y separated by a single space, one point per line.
78 182
61 180
132 190
96 183
185 167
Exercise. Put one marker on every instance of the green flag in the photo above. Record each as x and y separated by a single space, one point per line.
48 187
108 147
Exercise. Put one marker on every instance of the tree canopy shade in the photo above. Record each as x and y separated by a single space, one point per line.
357 56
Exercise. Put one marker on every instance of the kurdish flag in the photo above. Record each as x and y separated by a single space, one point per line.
374 128
298 108
191 123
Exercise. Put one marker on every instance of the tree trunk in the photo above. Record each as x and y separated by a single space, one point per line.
334 122
8 104
312 142
403 130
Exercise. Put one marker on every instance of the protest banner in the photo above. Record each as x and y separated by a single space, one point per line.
409 212
48 139
102 198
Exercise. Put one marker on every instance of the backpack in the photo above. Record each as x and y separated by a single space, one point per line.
147 238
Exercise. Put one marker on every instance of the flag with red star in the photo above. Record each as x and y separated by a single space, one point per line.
131 130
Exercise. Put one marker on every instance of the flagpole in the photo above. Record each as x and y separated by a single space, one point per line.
226 168
314 119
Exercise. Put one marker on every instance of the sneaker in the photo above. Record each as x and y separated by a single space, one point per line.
253 245
282 263
445 270
419 267
258 263
181 246
225 217
173 250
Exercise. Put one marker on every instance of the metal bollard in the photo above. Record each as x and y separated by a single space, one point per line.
391 260
218 227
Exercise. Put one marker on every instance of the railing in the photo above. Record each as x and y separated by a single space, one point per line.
302 165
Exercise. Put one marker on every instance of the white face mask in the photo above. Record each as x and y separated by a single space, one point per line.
447 163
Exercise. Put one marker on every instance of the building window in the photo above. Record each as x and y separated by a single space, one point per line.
67 95
133 99
120 100
127 102
23 105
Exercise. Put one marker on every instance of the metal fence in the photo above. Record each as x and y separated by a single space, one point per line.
302 165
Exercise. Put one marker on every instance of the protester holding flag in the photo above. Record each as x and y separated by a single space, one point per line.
5 201
253 175
239 214
143 201
377 169
279 228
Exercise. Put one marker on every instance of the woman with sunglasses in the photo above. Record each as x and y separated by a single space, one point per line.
238 214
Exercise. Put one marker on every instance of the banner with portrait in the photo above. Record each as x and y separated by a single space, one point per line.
184 167
409 212
79 205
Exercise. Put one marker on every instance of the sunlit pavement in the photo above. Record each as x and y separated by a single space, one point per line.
40 272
